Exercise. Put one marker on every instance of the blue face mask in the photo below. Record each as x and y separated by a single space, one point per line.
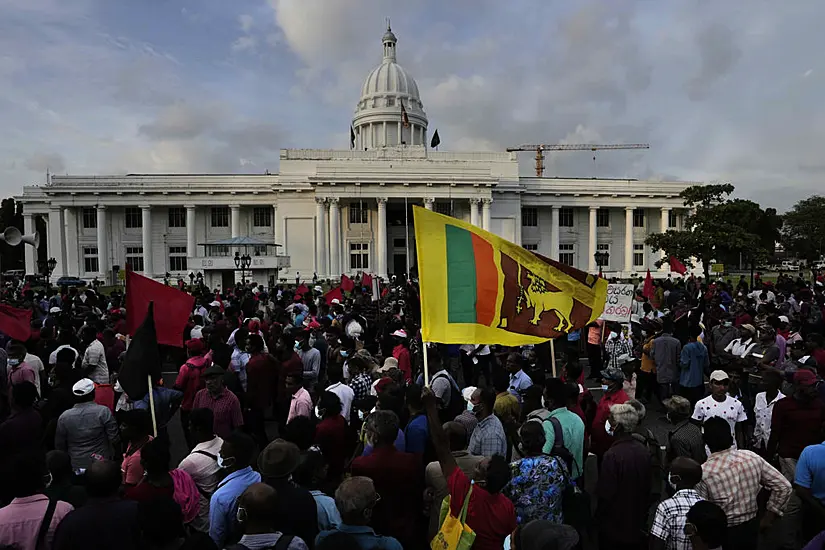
13 362
344 353
469 406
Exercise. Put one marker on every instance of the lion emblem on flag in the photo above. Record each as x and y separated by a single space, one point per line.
538 297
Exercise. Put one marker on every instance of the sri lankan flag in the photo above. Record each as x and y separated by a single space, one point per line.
477 288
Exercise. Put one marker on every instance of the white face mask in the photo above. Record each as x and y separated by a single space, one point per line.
605 387
608 428
469 406
613 335
360 415
671 482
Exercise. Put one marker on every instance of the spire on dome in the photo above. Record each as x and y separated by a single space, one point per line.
389 40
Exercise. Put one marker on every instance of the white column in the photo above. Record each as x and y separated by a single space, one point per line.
103 243
148 268
628 239
400 132
334 238
591 241
191 244
235 219
381 241
665 219
554 232
519 227
275 233
320 239
29 252
474 212
485 213
56 239
428 203
71 265
383 141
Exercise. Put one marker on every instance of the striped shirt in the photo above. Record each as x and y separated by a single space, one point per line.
671 516
226 410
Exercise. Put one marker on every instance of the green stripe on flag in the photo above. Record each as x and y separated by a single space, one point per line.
461 276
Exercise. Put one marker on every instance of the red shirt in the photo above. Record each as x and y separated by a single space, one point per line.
492 517
144 492
293 365
189 379
819 355
404 364
399 479
600 441
331 437
226 410
794 426
262 375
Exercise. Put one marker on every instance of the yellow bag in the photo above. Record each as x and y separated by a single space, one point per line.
454 534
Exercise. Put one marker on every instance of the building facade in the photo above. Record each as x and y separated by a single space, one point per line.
333 212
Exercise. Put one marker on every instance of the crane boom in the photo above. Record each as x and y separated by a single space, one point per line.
541 148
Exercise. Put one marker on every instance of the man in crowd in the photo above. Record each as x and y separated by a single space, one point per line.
234 459
202 463
87 431
668 530
488 437
720 404
666 352
257 510
225 406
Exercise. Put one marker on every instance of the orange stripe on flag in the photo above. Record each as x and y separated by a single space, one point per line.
486 281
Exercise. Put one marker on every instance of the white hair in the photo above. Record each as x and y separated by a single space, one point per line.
624 416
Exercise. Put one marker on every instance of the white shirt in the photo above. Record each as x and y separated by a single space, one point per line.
205 473
763 412
53 355
346 395
34 362
730 409
482 350
739 348
96 356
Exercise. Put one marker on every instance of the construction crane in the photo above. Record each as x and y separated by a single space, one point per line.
540 149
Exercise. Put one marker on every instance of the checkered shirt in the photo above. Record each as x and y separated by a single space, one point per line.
488 438
361 385
732 480
669 522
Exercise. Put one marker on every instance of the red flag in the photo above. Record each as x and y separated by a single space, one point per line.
334 294
15 322
171 312
366 280
218 299
677 266
647 290
347 285
301 290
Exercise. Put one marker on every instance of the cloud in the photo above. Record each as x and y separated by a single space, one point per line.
41 162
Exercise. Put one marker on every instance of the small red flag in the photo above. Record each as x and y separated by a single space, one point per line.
366 280
334 294
677 266
301 290
347 285
647 290
15 322
171 312
218 299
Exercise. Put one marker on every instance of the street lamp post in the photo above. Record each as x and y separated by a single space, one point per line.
243 263
602 259
46 268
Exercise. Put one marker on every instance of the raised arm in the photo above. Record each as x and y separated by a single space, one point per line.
439 437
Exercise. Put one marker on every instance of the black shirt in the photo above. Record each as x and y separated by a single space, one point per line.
297 512
102 524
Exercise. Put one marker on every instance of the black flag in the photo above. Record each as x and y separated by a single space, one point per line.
351 138
142 359
435 141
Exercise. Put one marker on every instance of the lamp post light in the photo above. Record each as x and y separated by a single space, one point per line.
191 278
602 258
243 263
46 267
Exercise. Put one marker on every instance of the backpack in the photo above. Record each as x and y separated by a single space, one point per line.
657 466
559 450
457 403
282 544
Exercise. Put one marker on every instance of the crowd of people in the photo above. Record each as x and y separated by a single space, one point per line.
698 423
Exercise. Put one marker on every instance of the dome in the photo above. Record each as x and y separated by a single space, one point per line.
390 78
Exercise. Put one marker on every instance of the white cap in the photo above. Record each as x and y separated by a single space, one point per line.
719 375
318 288
401 333
55 309
83 387
784 319
215 304
197 332
336 301
468 392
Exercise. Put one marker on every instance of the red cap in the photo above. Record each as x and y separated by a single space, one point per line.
195 345
382 383
804 377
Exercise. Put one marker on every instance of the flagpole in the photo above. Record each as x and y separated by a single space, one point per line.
152 406
407 238
426 363
553 356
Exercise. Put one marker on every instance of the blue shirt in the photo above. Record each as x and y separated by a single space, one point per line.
693 360
224 503
810 471
417 434
328 515
164 397
574 336
365 536
400 445
519 383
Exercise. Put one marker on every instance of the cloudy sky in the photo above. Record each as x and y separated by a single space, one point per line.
727 90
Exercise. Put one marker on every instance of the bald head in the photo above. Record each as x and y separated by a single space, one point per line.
260 502
457 435
685 472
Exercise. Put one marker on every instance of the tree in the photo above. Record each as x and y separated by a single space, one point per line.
720 228
803 231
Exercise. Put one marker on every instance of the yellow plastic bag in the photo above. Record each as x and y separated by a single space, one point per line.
454 533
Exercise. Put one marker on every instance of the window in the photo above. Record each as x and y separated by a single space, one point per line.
359 256
604 248
134 257
532 247
638 217
220 216
90 262
134 218
566 217
89 218
529 217
259 250
638 254
566 255
262 216
358 214
177 217
218 250
390 102
671 219
602 217
399 243
177 258
445 208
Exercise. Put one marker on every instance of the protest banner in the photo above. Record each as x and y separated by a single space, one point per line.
617 303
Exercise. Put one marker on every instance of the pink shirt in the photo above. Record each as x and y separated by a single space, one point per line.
20 521
131 468
301 405
22 373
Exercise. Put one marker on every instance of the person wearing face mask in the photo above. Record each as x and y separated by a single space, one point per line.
668 529
310 357
623 488
489 437
234 459
257 509
261 372
613 394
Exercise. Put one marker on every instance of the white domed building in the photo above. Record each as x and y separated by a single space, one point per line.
331 212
